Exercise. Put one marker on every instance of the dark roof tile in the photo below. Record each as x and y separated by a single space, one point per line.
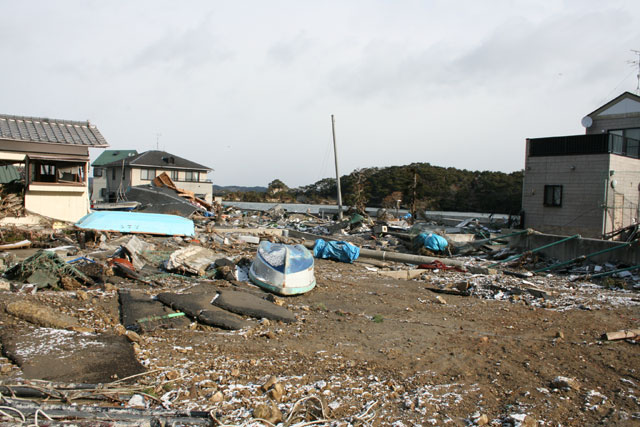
39 129
159 159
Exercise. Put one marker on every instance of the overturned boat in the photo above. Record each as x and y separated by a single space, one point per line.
283 269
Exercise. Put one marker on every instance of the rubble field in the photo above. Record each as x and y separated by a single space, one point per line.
445 348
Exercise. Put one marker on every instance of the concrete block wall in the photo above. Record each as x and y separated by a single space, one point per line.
577 247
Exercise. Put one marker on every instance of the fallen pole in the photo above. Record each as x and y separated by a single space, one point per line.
398 257
532 251
583 257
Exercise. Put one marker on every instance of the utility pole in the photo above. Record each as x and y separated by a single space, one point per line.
636 63
335 154
414 206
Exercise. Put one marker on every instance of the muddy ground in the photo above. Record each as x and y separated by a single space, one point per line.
380 351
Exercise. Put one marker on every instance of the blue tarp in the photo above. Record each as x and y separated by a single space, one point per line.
431 241
137 222
338 251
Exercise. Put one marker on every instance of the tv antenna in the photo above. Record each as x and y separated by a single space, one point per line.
636 63
158 135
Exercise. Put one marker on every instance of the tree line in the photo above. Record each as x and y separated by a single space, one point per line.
418 186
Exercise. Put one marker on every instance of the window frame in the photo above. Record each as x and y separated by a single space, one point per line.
145 173
54 171
550 198
192 176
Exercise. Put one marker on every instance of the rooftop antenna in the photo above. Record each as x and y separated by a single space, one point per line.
158 135
636 63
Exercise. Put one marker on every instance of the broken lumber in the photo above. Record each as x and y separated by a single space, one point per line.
621 335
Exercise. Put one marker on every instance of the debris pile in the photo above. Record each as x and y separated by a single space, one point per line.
172 326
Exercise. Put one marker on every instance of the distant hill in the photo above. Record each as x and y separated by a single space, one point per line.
219 190
419 184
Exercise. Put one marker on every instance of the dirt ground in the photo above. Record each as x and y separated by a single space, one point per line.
379 351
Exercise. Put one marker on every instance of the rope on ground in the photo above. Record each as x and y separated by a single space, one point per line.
9 408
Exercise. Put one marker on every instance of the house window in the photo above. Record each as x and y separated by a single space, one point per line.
57 172
174 175
192 176
147 174
97 172
553 195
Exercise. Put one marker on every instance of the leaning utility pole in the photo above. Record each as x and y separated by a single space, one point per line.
335 154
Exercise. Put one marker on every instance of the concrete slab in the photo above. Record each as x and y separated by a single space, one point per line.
251 305
135 305
198 306
65 356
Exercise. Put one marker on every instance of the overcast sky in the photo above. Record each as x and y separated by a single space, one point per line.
247 88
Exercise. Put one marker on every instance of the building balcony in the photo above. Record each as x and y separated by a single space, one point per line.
584 144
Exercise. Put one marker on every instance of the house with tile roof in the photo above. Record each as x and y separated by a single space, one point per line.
587 184
55 156
98 190
142 168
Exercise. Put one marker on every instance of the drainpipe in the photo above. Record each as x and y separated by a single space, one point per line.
604 206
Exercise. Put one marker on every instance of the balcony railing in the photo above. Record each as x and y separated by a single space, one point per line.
584 144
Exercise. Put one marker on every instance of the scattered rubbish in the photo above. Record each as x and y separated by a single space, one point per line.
532 251
565 383
439 265
45 269
135 222
336 250
621 335
283 269
17 245
249 239
403 274
192 259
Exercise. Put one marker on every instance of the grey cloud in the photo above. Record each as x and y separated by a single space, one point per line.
519 52
287 51
193 47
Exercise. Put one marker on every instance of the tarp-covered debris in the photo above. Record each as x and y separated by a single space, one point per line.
431 241
338 251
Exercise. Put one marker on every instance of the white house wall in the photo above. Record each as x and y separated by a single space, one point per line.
66 203
623 192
